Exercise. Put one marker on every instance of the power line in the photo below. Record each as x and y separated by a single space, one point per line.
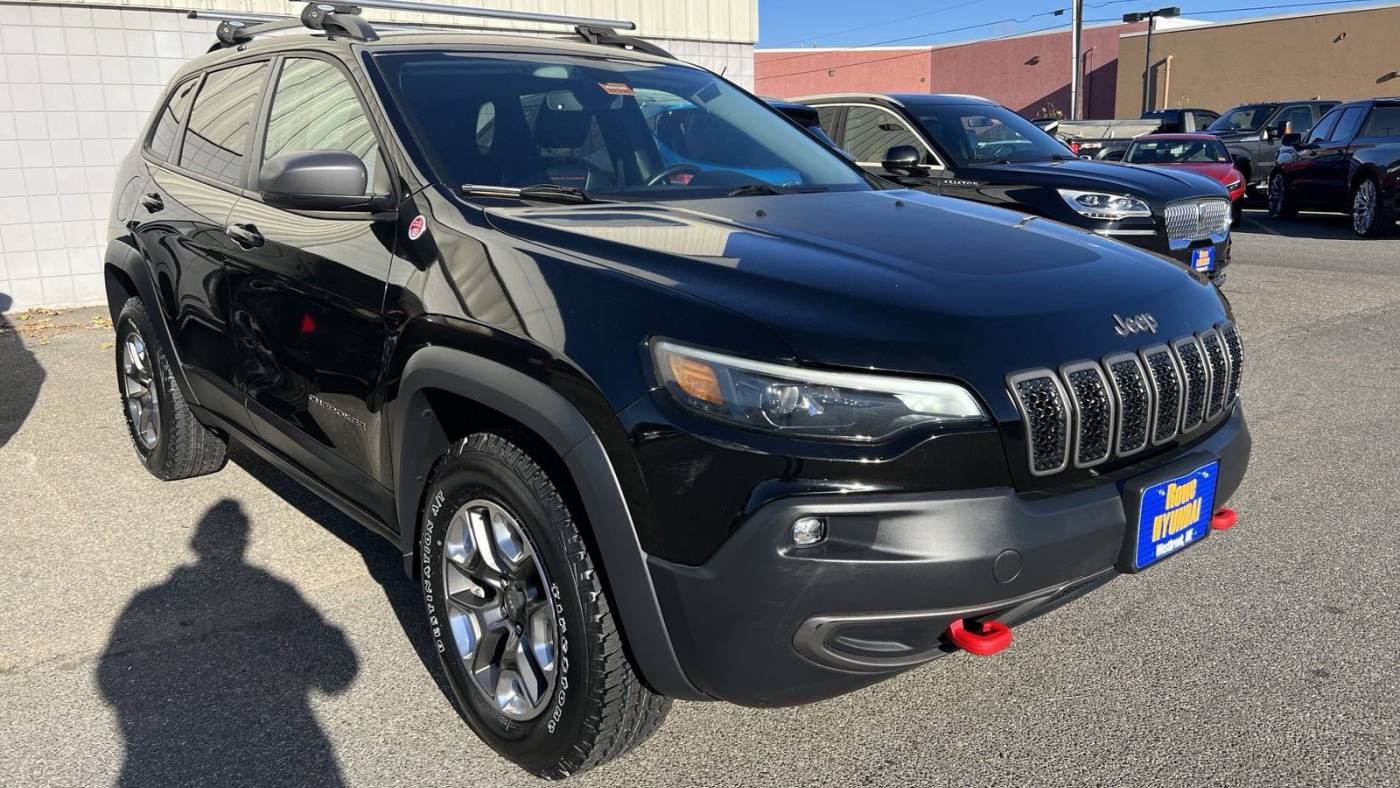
915 54
880 24
1009 20
1275 7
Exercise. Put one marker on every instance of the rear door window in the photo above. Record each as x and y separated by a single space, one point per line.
871 132
314 107
219 133
167 125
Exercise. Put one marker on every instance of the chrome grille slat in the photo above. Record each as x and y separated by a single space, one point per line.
1196 220
1129 382
1193 366
1165 377
1043 403
1093 412
1219 365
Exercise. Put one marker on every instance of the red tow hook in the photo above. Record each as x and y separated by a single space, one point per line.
1223 520
993 637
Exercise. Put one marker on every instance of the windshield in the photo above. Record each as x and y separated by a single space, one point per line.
613 128
1174 151
982 134
1243 118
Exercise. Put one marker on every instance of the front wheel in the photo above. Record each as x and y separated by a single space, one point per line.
519 616
1370 216
1280 204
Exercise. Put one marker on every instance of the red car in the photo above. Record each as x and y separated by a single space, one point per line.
1200 153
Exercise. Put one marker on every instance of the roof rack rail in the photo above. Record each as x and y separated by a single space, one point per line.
494 13
236 28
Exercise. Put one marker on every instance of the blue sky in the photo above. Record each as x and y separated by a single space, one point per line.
790 23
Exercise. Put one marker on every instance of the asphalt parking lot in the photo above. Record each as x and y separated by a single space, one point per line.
235 630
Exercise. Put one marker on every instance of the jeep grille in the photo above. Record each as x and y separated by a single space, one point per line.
1091 411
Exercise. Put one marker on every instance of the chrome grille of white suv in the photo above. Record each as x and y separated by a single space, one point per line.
1091 411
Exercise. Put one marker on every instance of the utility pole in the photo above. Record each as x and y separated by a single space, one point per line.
1076 76
1150 17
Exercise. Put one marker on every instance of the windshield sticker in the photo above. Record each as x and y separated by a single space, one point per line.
616 88
416 228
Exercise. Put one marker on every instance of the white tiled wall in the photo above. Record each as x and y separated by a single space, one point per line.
76 86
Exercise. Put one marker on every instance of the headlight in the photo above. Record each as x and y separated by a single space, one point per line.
1232 185
1109 207
804 402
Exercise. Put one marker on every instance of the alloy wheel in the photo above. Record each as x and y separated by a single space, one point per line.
1363 207
500 609
140 391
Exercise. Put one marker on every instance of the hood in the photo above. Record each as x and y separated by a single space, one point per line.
898 280
1156 185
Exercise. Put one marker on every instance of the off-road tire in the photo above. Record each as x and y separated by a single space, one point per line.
1280 205
184 448
599 708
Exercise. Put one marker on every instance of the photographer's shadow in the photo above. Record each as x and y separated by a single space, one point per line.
211 671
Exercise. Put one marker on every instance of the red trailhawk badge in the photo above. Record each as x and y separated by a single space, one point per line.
416 227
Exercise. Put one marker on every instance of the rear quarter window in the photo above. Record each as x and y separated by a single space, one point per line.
162 140
1384 122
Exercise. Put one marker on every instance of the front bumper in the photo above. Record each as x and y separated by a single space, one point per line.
765 624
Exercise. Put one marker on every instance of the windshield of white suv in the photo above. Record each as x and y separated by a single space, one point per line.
1243 118
977 134
609 129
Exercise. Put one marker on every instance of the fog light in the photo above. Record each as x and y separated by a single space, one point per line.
807 531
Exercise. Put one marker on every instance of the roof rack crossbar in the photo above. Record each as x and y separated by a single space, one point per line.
336 19
494 13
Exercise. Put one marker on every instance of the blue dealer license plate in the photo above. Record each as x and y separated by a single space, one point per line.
1203 260
1175 514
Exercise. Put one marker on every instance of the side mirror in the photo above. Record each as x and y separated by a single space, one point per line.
902 158
1114 155
1291 140
318 180
1241 163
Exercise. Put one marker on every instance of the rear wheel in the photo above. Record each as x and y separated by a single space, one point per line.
1280 204
519 617
170 441
1370 216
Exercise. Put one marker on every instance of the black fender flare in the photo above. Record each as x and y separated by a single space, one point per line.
122 255
418 440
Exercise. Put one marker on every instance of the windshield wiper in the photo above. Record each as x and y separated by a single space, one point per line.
539 191
751 189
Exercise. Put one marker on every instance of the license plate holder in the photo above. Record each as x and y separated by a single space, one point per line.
1203 259
1168 511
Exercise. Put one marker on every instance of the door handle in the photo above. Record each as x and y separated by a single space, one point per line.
246 235
152 202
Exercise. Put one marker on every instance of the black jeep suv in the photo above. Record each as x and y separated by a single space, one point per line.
969 147
653 408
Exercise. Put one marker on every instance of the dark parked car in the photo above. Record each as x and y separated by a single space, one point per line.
806 117
975 149
1253 132
1182 120
1349 162
641 430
